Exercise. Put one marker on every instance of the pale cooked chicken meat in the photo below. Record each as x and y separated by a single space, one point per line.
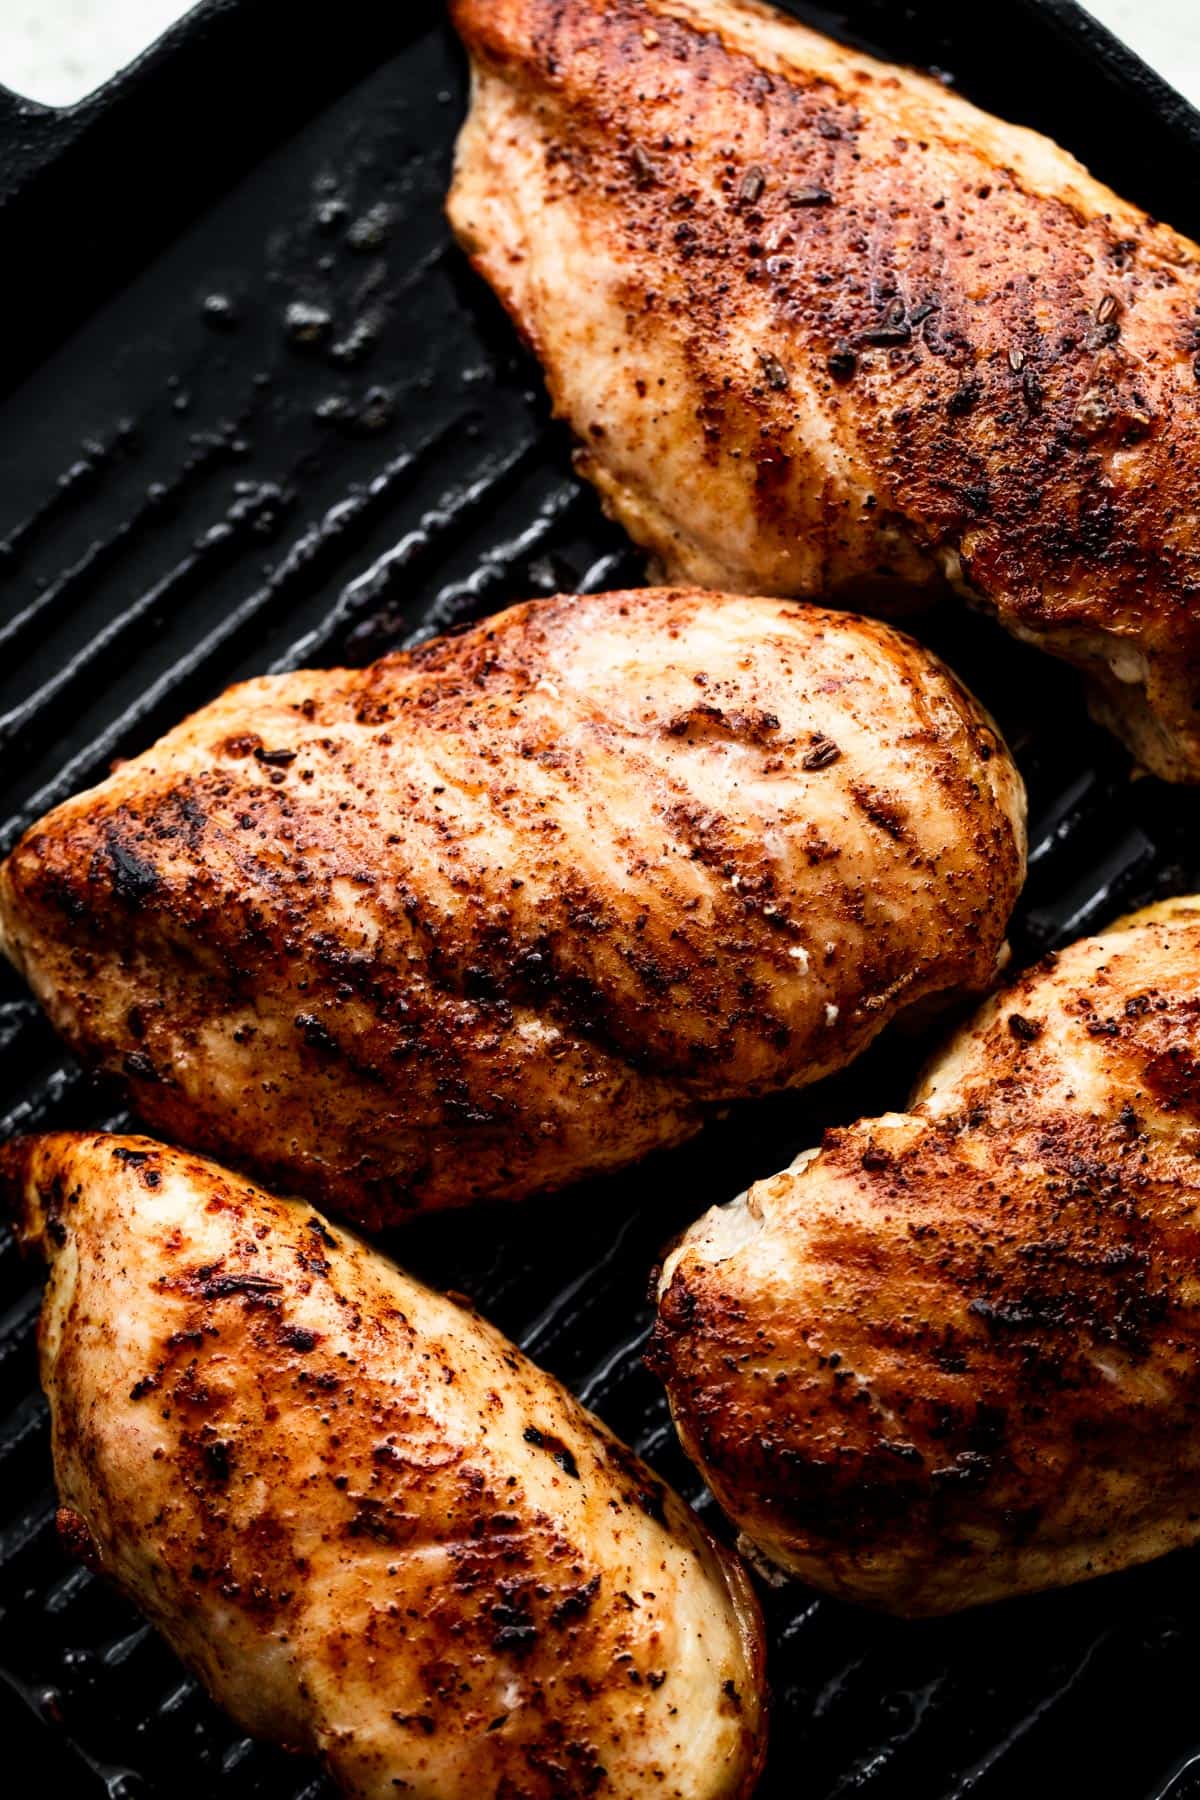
519 905
817 321
955 1354
374 1530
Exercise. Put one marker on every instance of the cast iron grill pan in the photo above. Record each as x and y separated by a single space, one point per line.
198 482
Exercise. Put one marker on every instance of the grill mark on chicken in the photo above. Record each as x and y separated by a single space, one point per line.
954 1355
970 358
420 962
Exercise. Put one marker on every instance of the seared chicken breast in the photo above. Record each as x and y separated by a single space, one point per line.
818 322
519 905
372 1528
955 1354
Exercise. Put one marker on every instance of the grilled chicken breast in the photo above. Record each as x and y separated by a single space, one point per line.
955 1353
370 1526
818 322
519 905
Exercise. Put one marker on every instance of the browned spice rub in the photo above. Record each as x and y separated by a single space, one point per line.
819 323
372 1528
518 906
955 1354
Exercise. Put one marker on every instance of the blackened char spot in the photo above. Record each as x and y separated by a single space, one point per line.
144 1163
134 879
296 1337
417 1722
217 1459
515 1630
316 1035
1017 1315
576 1603
545 1440
320 1230
211 1285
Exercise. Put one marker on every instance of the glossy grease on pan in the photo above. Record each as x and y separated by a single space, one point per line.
819 323
953 1355
520 905
374 1529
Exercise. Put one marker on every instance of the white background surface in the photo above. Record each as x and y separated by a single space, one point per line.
1165 32
59 50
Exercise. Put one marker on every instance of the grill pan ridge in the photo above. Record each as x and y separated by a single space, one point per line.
272 420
